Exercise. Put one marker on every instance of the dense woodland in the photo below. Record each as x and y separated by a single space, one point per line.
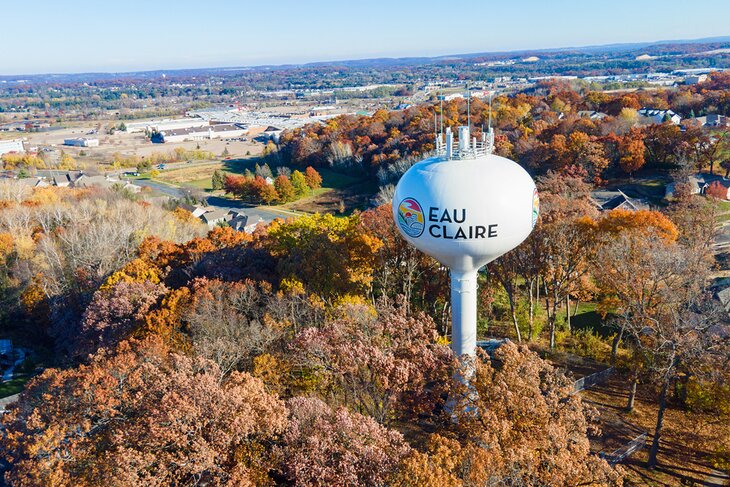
315 351
542 130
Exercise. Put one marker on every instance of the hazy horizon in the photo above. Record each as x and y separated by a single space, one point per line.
82 36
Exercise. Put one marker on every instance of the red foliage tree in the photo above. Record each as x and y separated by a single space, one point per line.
326 446
716 190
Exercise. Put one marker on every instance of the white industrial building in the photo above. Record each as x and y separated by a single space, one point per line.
162 125
12 145
229 130
81 142
257 119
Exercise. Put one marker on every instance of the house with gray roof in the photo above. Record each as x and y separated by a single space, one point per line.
612 200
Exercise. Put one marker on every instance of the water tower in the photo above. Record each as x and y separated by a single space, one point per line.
465 207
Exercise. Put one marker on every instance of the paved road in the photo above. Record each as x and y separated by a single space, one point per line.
266 213
10 371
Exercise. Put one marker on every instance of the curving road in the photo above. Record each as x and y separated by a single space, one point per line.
268 214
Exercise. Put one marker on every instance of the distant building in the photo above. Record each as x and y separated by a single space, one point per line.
698 184
12 145
660 116
34 182
106 182
593 115
531 59
81 142
453 96
644 57
200 133
695 79
214 217
714 120
272 133
62 180
161 125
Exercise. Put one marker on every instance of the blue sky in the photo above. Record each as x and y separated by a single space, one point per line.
42 36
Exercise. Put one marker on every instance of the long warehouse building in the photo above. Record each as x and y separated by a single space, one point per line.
13 145
200 133
164 124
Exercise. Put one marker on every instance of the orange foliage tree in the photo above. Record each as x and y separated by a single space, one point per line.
141 416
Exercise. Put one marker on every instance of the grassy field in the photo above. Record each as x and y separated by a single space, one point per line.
338 189
15 385
198 175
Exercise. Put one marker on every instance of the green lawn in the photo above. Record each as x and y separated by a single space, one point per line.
205 184
336 180
15 385
723 205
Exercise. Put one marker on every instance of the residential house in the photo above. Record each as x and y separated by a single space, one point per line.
612 200
34 182
238 220
214 217
591 114
713 120
62 180
699 183
660 116
197 211
106 182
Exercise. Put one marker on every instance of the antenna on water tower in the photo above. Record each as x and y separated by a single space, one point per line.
468 108
490 109
441 98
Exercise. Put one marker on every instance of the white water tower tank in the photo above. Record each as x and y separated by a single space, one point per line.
465 212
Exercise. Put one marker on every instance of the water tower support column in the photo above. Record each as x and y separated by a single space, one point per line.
464 312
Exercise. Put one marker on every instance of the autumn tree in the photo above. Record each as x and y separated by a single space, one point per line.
331 256
226 321
314 180
141 416
112 316
657 288
487 443
284 189
631 148
218 180
400 268
333 446
268 193
299 183
563 238
717 190
380 364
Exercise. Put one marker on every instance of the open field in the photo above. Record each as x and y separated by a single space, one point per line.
352 191
197 175
124 143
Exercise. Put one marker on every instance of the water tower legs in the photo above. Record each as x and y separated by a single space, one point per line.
464 312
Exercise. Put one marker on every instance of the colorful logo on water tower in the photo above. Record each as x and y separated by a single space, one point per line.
410 217
535 207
